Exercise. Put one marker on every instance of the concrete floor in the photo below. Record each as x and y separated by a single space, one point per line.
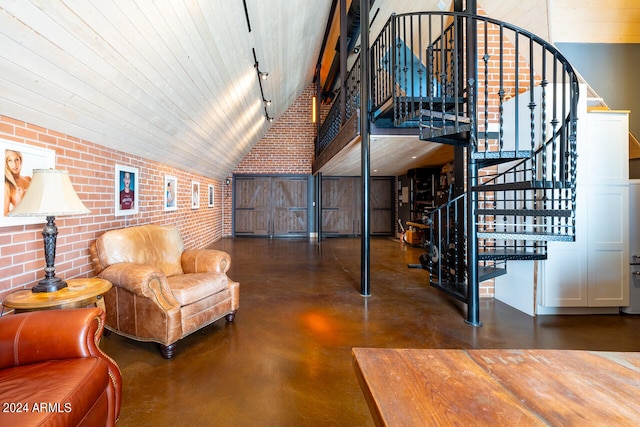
286 359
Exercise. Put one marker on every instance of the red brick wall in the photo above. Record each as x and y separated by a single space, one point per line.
92 170
287 148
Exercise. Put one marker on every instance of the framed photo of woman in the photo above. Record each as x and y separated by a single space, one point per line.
170 193
19 162
126 190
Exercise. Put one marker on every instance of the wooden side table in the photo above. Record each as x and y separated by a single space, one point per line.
78 293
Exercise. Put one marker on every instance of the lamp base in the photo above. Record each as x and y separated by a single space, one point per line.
49 284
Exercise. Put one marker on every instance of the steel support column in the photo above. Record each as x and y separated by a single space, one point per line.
365 93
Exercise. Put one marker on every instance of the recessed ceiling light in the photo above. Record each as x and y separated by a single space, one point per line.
414 157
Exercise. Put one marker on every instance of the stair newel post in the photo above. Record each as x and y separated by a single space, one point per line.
473 285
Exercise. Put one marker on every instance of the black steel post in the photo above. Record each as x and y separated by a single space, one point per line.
473 285
319 206
365 255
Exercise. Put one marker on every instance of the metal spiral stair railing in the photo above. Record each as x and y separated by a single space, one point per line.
517 120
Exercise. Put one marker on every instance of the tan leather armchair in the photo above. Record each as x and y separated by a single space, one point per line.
53 373
161 292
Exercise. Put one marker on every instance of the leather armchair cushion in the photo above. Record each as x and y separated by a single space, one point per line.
69 390
189 288
154 245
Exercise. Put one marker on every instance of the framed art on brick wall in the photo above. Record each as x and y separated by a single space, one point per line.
19 162
170 193
126 190
195 195
211 195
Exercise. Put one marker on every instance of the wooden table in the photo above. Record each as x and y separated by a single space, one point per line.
499 387
78 293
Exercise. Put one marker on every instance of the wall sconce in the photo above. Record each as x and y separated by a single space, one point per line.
314 111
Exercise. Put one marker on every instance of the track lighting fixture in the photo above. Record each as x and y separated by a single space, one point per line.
262 76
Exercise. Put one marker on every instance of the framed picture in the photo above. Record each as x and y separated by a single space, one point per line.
126 190
211 196
170 193
195 195
19 162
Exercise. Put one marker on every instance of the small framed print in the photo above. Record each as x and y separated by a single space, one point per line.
126 190
211 196
170 193
19 162
195 195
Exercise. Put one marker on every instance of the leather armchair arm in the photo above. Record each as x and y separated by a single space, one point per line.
142 280
205 261
40 336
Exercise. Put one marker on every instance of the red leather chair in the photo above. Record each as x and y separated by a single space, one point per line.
52 371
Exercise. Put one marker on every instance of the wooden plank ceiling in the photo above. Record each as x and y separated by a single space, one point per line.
169 80
174 80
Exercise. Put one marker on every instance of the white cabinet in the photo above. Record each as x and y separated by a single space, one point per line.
634 248
593 271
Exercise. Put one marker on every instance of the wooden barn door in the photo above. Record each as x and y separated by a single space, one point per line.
289 196
252 206
382 203
340 197
271 206
342 205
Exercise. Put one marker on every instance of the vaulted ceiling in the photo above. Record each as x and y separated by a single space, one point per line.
175 80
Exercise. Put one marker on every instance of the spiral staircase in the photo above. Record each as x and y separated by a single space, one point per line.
509 99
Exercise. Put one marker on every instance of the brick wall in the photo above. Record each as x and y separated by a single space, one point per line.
287 148
92 171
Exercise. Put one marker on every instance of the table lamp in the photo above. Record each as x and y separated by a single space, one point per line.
50 194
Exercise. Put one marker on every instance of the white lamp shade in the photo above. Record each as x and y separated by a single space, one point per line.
50 194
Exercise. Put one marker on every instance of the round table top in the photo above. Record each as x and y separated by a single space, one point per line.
77 290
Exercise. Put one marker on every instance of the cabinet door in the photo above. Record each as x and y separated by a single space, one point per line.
608 246
563 276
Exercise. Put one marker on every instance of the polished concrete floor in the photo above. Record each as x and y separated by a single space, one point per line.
286 359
